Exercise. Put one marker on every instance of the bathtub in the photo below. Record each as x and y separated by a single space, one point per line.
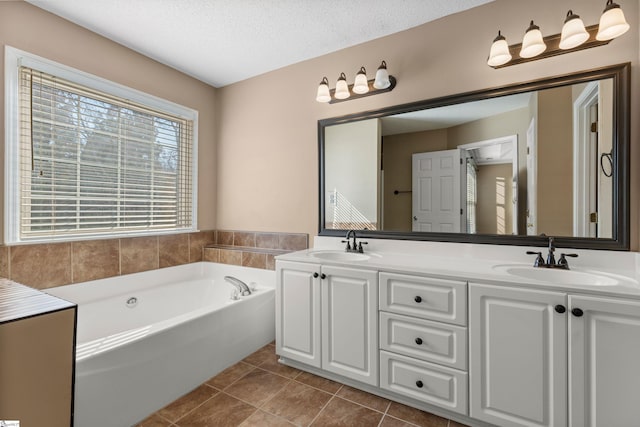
145 339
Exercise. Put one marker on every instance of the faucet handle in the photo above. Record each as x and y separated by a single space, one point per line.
563 263
348 248
360 246
539 262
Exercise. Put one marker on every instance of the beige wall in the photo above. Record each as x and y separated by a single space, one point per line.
555 162
494 212
278 152
31 29
396 155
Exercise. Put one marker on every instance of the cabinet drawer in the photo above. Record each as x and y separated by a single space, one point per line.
423 339
425 297
423 381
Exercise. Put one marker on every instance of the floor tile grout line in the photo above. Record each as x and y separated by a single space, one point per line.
322 409
196 407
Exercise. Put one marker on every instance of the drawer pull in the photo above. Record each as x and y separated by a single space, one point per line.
418 299
419 384
419 341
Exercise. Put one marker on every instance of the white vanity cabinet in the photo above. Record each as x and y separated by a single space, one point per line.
545 358
604 362
423 339
327 317
518 355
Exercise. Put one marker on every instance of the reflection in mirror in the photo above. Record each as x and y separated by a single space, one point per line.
526 164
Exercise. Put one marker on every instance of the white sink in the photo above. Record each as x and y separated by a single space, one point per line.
562 277
339 256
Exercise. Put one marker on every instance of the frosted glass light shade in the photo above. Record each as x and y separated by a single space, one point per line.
361 85
499 53
573 32
532 43
323 94
342 88
612 22
382 77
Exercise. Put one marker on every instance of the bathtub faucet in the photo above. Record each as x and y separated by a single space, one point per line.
239 284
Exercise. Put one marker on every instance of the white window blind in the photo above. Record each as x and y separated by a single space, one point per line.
93 163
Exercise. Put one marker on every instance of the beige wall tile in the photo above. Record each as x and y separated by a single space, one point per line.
197 241
267 240
211 254
4 261
138 254
173 250
241 238
271 262
95 259
42 265
230 257
254 259
293 242
224 238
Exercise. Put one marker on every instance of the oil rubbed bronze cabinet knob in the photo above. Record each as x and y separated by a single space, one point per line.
560 308
419 384
419 341
577 312
418 299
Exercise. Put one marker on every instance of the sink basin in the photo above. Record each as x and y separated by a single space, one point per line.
339 256
562 277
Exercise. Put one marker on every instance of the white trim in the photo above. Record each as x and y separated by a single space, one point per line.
14 59
581 159
513 140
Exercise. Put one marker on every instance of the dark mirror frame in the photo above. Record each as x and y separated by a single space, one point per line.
621 179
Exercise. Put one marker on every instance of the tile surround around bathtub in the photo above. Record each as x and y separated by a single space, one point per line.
41 266
94 259
138 254
253 249
54 264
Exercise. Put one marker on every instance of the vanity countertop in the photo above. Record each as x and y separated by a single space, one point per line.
19 301
594 272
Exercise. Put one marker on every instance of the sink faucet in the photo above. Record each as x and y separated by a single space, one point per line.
551 259
242 287
356 247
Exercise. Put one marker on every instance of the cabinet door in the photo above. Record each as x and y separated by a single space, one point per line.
604 362
518 356
350 323
298 312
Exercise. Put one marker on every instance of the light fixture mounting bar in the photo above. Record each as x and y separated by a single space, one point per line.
553 47
372 91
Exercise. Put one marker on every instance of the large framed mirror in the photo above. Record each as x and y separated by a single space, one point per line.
512 165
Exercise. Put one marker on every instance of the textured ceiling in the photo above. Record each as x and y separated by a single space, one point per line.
225 41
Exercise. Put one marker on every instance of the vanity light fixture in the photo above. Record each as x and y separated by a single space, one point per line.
573 32
612 22
382 77
532 44
342 89
499 54
361 87
323 91
575 36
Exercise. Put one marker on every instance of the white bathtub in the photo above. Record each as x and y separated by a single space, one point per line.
133 359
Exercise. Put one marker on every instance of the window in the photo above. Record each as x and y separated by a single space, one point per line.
86 157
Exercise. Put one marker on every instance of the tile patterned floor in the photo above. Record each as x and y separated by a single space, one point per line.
260 392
